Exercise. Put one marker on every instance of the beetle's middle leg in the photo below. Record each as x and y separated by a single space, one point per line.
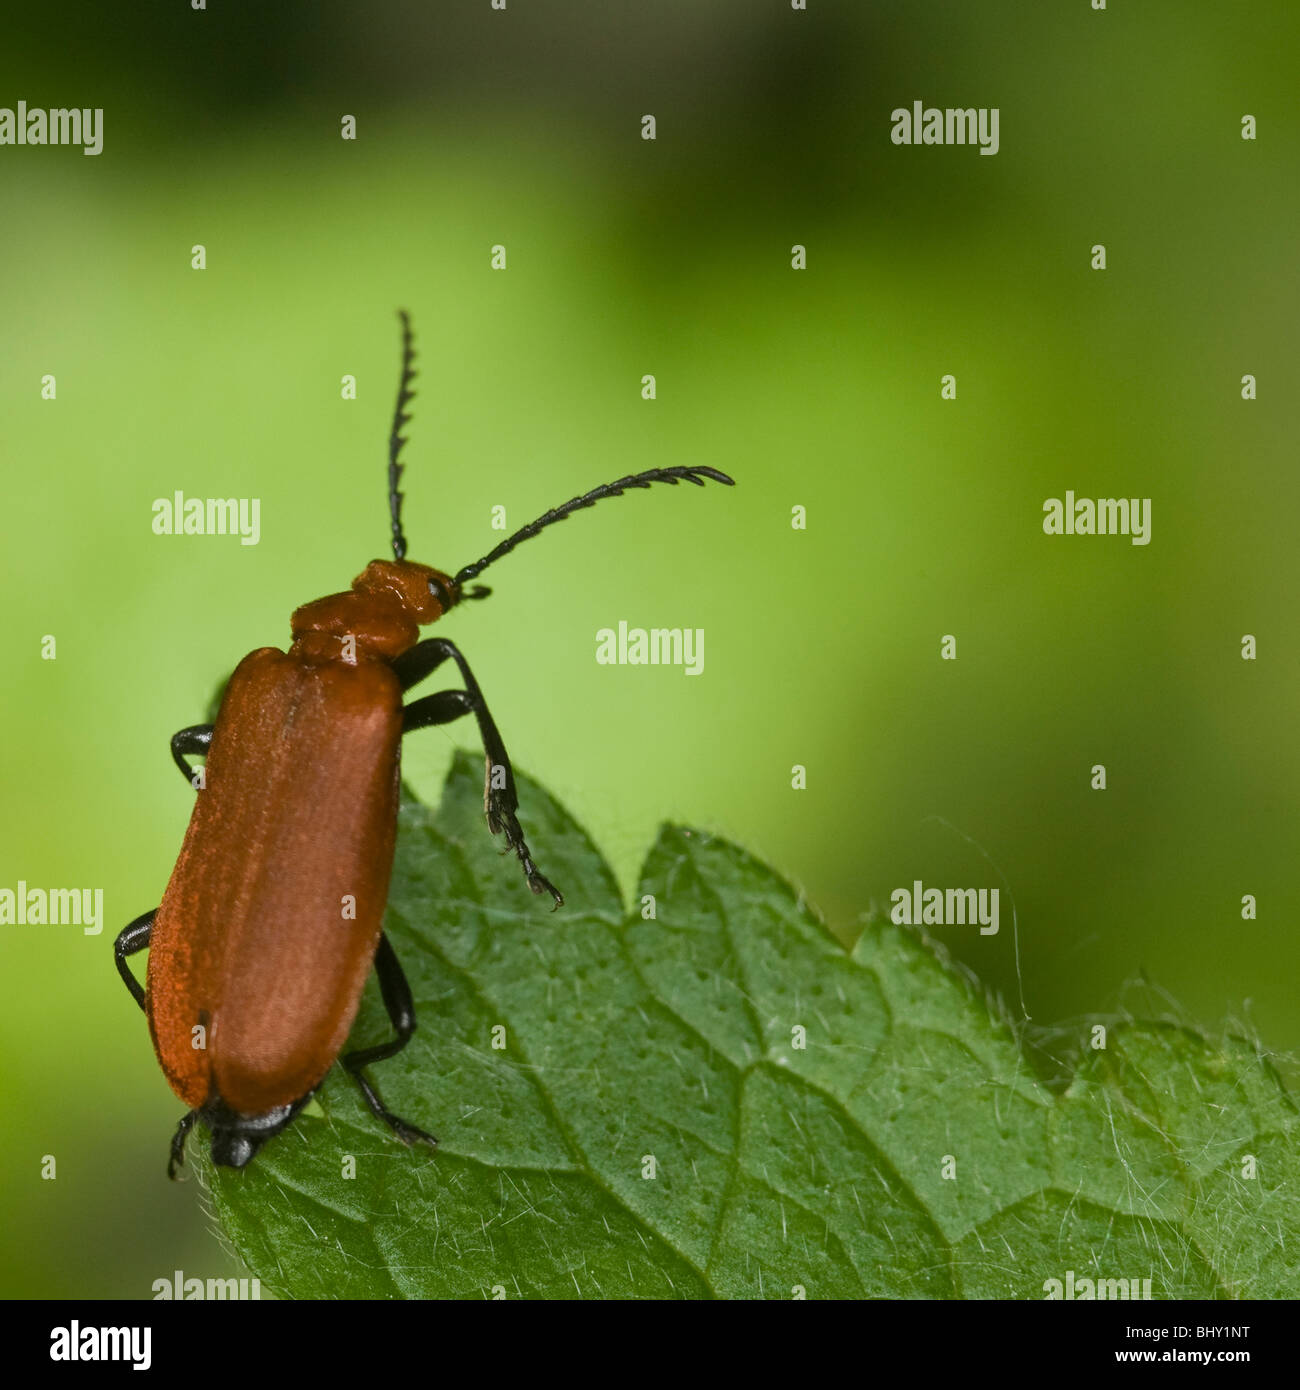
132 938
194 740
401 1013
501 800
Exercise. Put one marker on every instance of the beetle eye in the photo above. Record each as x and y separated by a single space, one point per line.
436 589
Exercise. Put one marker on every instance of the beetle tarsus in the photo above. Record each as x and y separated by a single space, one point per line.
537 880
176 1159
502 820
396 993
500 800
409 1134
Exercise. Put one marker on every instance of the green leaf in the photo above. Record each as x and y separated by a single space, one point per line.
652 1128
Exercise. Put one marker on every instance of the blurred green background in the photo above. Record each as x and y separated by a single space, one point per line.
818 388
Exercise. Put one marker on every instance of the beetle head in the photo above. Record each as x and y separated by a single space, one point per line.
423 592
410 581
232 1149
237 1137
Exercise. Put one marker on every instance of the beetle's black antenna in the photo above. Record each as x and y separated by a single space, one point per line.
589 499
396 439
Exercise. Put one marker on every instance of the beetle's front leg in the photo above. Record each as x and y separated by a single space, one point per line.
500 799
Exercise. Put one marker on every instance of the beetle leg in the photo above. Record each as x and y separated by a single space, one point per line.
401 1013
177 1157
501 801
424 659
131 939
194 740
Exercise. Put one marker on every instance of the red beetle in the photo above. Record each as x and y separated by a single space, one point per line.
274 912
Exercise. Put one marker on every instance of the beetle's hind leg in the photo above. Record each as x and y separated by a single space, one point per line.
501 800
176 1159
401 1013
132 938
